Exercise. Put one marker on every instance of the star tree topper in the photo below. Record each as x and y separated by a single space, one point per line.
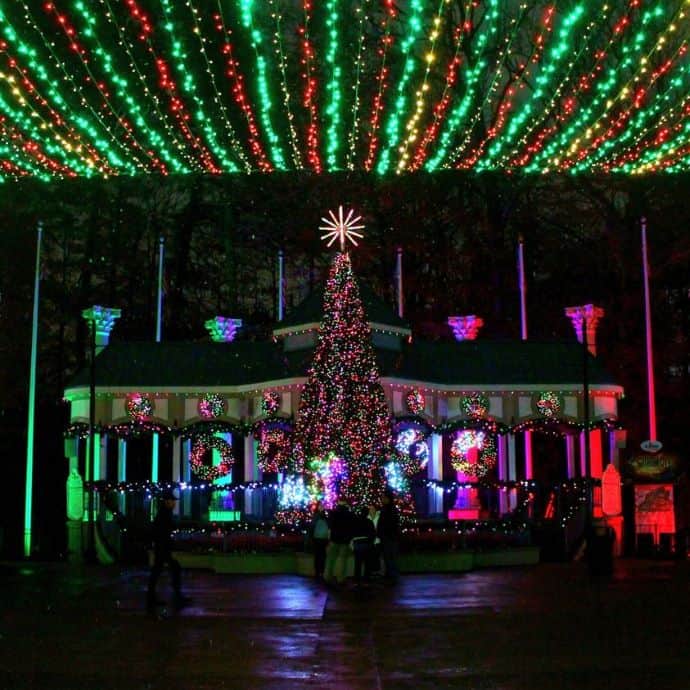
342 228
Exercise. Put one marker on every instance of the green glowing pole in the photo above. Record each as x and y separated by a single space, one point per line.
90 554
159 328
32 402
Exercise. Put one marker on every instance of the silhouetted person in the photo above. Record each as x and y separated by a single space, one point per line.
388 531
319 537
363 537
340 524
375 551
162 550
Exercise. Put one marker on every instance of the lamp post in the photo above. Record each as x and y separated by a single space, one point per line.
101 321
29 488
90 553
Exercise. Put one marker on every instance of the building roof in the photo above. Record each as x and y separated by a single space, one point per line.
242 363
310 310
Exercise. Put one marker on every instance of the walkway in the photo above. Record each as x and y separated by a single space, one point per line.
549 626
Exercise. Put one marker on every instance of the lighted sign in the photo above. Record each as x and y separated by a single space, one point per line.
657 466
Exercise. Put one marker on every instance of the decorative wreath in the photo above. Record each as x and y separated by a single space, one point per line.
549 404
204 443
415 401
273 451
464 442
139 407
413 449
212 406
270 403
475 405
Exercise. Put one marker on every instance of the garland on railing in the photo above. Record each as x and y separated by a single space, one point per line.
554 427
581 485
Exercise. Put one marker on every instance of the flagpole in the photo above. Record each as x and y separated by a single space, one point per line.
648 334
159 328
523 336
281 296
159 311
31 425
523 288
399 280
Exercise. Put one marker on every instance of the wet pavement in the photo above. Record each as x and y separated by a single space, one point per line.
548 626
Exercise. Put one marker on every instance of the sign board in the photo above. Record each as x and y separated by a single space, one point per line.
651 446
653 466
654 513
611 495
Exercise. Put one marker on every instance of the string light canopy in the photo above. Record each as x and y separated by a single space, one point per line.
104 88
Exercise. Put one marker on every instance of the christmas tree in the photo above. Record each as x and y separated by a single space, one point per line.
343 442
344 428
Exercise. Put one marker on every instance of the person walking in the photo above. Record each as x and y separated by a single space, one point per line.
389 533
375 551
318 531
340 525
162 553
364 534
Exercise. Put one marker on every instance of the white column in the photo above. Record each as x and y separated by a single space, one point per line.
502 447
614 458
103 457
176 466
512 470
435 471
583 453
177 459
186 476
251 474
122 470
529 469
570 455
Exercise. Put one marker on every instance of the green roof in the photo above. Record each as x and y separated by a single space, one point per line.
469 363
310 310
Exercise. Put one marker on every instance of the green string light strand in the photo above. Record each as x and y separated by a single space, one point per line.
127 94
282 60
188 82
399 105
353 137
568 140
221 106
265 103
472 77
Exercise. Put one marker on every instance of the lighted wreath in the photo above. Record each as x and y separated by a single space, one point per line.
270 403
462 449
139 407
415 401
202 445
549 404
413 449
212 406
273 451
475 405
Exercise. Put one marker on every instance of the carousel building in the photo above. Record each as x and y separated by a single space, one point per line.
487 421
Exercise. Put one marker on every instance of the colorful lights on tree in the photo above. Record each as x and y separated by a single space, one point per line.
202 447
274 448
327 475
212 406
343 411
